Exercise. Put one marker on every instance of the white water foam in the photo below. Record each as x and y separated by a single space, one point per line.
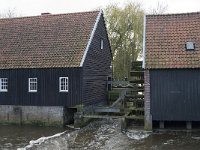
40 141
137 134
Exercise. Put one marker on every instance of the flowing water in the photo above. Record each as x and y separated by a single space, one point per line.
100 134
13 137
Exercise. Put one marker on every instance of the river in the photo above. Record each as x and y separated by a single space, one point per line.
99 134
13 137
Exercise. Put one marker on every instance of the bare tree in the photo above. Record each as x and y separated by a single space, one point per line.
160 9
9 13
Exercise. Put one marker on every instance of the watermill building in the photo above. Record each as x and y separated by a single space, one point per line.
52 62
172 68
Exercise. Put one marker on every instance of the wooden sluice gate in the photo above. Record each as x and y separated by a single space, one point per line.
128 105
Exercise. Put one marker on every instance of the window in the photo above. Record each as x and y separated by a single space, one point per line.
101 44
63 84
32 85
3 84
190 45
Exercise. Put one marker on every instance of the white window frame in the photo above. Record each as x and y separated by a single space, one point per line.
3 84
65 84
32 82
102 43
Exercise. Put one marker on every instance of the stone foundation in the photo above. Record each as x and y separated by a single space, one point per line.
35 115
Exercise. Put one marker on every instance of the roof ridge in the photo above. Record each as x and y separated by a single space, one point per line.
41 16
174 14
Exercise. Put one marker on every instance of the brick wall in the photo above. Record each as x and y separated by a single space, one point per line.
147 105
147 91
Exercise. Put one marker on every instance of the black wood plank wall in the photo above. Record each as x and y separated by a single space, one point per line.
96 67
175 94
48 87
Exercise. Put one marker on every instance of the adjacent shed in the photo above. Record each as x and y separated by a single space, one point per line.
171 62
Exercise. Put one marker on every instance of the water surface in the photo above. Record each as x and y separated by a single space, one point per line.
99 135
13 137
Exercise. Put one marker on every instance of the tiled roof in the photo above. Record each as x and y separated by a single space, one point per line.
166 36
45 41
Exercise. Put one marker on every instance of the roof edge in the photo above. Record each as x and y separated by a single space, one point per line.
91 38
144 42
40 16
173 14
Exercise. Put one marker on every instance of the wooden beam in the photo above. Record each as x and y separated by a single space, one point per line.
102 116
134 117
114 117
106 109
122 96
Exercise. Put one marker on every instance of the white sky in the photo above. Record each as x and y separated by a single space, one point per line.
36 7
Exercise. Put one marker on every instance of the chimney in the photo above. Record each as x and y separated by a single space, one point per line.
46 13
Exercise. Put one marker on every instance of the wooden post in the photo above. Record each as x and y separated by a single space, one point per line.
189 125
123 124
78 117
78 120
162 124
148 122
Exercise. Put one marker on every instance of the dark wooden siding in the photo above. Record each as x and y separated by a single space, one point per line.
48 87
175 94
96 67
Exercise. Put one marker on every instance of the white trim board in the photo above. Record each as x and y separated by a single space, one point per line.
144 44
91 38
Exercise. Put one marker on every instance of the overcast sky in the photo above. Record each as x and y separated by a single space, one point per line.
36 7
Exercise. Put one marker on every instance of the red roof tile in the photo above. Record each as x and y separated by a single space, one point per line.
166 36
45 41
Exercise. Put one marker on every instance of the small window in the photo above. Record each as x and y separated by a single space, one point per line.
32 86
101 44
190 46
63 84
3 84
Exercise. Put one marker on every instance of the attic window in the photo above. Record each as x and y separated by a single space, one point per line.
190 46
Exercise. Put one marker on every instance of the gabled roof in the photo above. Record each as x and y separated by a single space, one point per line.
166 36
46 41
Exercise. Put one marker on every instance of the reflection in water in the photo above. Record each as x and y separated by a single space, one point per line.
13 137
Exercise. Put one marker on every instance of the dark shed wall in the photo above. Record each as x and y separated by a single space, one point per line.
48 87
175 94
96 67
